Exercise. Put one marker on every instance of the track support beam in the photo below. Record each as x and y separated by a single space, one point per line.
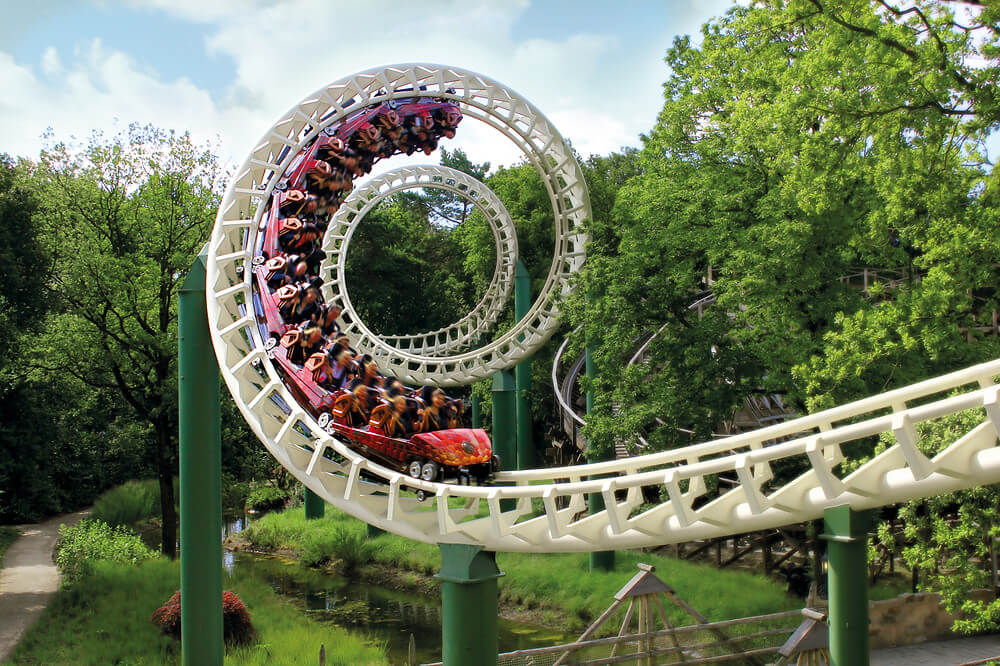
315 506
505 418
602 560
469 596
846 533
522 303
504 425
200 477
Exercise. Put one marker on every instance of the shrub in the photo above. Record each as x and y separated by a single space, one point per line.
90 541
266 498
129 503
237 629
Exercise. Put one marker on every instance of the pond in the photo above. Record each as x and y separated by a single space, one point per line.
379 613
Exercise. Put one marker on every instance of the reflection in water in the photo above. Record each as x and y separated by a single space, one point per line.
379 613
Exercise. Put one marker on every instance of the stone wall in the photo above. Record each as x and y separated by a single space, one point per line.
912 618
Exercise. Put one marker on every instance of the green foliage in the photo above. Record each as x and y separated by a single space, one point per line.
128 503
27 260
8 535
792 150
266 497
947 538
124 219
104 619
82 545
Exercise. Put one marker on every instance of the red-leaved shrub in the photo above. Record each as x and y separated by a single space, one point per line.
237 629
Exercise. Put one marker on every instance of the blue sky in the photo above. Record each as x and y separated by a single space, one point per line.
226 69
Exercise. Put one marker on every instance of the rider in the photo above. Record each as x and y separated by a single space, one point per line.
433 415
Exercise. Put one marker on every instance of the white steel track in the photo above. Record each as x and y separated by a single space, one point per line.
450 339
549 512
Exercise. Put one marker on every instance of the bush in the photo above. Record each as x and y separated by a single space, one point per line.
237 629
128 503
90 541
266 498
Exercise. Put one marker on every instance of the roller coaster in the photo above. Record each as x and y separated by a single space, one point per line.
542 510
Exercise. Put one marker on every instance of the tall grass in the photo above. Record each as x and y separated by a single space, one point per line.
340 541
129 503
561 584
105 619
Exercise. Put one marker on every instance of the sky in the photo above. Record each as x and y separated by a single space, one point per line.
225 70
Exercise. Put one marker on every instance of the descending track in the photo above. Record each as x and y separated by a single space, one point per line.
549 511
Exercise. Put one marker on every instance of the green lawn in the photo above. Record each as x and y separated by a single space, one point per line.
105 619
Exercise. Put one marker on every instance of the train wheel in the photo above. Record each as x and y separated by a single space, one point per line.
421 496
414 468
429 472
324 418
270 343
495 464
258 260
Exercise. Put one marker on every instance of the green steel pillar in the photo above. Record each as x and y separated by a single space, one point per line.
315 506
476 418
504 422
846 532
504 418
603 560
201 477
469 597
522 303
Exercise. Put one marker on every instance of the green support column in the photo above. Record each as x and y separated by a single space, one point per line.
315 506
603 560
504 422
846 532
476 418
504 419
469 613
201 477
522 303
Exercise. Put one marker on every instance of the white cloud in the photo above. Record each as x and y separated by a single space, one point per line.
99 88
600 92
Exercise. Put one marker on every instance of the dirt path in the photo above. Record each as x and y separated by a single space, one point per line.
29 578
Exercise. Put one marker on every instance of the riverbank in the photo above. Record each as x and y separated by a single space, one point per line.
554 590
105 619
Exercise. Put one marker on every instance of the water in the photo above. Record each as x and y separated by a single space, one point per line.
378 613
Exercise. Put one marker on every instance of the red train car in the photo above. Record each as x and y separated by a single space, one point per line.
318 178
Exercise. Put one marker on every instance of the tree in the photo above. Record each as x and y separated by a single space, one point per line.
442 207
128 216
27 262
794 147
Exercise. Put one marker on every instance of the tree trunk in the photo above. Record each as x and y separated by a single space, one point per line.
165 470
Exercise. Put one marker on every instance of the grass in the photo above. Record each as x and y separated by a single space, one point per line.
105 619
8 535
558 585
129 503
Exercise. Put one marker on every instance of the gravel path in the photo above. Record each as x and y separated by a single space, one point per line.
29 578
